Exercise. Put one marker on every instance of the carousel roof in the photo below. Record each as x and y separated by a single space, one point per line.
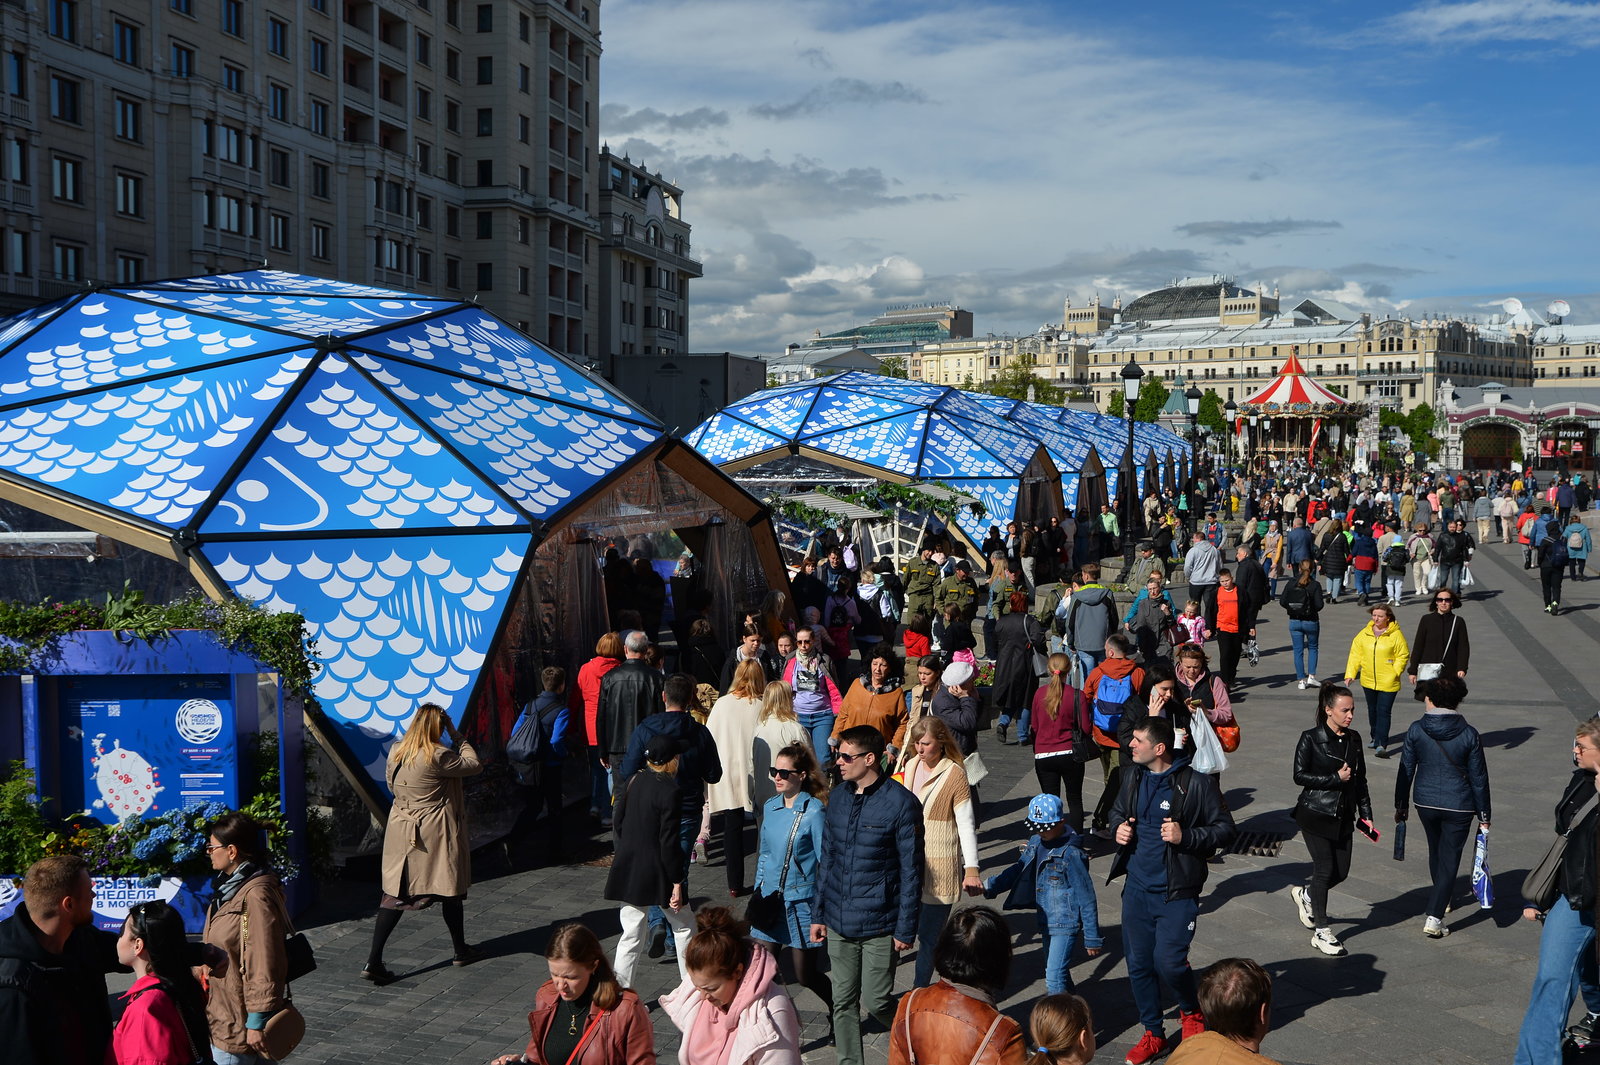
1293 386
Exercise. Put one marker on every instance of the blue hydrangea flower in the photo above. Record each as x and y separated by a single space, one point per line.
152 880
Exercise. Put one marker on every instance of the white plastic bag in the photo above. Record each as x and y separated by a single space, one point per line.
1467 580
1209 756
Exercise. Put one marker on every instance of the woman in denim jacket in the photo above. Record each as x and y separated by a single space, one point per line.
1443 755
802 791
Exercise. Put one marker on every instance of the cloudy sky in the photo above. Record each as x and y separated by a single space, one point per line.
838 156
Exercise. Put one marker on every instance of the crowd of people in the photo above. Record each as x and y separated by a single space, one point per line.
839 743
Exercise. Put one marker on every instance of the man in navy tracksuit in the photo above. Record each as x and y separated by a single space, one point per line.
1170 820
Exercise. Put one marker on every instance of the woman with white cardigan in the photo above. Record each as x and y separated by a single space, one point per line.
732 723
937 776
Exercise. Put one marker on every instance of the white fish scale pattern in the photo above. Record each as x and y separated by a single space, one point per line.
310 316
783 414
154 452
99 342
951 453
397 622
726 439
890 444
281 281
477 344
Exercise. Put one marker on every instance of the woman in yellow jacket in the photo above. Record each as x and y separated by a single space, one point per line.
1378 657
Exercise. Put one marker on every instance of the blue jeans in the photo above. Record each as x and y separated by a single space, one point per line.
1023 717
1379 704
1566 966
688 829
1331 586
1156 935
1058 961
1450 576
222 1057
1303 636
930 922
819 724
1363 581
1090 659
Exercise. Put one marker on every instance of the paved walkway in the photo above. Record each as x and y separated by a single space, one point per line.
1397 997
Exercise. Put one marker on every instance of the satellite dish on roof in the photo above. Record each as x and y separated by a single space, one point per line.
1512 305
1558 309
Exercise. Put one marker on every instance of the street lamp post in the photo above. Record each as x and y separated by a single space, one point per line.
1132 373
1255 441
1333 441
1192 397
1266 434
1232 410
1539 418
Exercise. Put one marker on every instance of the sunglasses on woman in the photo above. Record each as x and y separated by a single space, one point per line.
784 774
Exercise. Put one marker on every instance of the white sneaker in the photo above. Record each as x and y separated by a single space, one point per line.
1302 684
1311 680
1302 901
1324 940
1434 928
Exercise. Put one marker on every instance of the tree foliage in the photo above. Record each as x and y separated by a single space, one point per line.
893 366
1417 425
1153 395
1015 379
1211 413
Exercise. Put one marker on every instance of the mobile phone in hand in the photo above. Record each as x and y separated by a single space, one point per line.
1368 829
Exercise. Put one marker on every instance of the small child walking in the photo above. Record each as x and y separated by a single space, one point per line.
1192 623
1052 876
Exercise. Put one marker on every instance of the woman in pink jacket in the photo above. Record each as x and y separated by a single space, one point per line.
732 1010
164 1022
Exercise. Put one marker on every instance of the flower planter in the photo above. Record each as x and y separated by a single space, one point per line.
114 896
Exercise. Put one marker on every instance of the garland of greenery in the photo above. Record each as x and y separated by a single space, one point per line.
883 498
168 844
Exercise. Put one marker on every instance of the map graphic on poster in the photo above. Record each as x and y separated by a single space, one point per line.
147 744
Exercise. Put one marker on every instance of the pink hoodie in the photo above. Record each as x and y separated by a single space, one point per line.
760 1026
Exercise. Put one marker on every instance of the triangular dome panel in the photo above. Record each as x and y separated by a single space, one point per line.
310 316
724 438
838 408
952 453
280 281
347 457
155 452
891 443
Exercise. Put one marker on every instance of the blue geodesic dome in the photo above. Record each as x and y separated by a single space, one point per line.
379 461
906 431
1073 453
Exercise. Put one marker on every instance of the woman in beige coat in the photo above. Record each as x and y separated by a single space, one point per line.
936 774
426 856
733 726
247 972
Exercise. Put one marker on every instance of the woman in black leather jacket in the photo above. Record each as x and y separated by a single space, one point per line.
1332 774
1567 940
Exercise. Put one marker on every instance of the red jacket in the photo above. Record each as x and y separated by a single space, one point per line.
586 692
151 1030
1112 667
622 1036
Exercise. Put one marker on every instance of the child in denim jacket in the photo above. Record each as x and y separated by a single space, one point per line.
1052 876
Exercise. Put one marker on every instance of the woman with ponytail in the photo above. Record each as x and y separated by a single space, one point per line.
582 1015
1332 773
731 1010
1062 1031
1061 723
164 1020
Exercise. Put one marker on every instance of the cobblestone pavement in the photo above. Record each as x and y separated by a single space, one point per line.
1397 996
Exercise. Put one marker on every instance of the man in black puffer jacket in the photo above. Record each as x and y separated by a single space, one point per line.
869 886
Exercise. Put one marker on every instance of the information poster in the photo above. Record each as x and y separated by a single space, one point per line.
135 745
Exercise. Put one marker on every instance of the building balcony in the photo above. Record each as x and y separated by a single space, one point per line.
1403 374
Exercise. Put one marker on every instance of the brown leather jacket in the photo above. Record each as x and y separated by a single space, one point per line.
246 979
945 1024
623 1037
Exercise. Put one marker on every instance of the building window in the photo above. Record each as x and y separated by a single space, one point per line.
424 267
233 17
129 119
424 103
17 74
452 168
130 269
522 280
485 121
17 253
486 277
485 172
452 12
523 26
424 50
64 19
15 167
125 42
319 118
452 221
232 78
182 61
522 76
485 18
130 195
320 180
65 99
322 6
278 172
425 157
278 37
278 102
522 128
452 116
523 229
486 70
278 231
485 225
319 241
319 56
69 262
452 64
182 7
66 179
452 273
424 212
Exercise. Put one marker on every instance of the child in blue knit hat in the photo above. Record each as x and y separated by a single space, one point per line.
1052 876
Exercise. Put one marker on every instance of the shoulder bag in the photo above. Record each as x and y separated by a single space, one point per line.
1431 670
765 909
911 1047
1539 886
286 1027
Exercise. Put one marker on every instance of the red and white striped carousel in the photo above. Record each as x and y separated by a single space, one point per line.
1294 417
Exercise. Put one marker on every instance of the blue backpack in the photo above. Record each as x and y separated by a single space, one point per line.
1109 696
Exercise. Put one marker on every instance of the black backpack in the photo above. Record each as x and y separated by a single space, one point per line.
1396 556
838 617
1296 600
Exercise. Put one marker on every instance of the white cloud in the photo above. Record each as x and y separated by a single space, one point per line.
1045 162
1495 22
